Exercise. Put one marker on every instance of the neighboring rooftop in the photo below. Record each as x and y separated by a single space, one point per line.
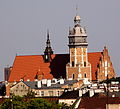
33 84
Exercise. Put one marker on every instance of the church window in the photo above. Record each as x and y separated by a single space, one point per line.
72 63
84 64
73 76
85 75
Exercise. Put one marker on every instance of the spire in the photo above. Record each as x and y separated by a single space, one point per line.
48 40
77 17
76 9
48 50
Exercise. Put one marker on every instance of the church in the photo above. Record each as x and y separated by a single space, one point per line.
79 64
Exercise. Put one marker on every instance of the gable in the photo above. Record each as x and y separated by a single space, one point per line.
19 85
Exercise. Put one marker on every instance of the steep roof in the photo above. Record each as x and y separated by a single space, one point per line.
27 67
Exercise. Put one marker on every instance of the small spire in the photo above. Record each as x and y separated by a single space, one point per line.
48 50
47 33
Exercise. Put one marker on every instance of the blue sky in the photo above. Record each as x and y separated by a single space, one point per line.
24 24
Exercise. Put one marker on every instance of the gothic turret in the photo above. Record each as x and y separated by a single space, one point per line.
48 50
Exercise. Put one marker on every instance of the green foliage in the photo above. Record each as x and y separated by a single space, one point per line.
38 104
63 106
17 102
30 94
6 104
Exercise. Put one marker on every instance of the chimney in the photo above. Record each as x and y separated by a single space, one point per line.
48 83
61 81
91 92
80 93
39 84
44 81
54 80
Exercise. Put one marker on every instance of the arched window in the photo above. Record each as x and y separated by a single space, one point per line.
73 76
72 63
85 75
84 64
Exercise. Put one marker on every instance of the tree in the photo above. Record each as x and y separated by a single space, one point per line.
30 94
17 102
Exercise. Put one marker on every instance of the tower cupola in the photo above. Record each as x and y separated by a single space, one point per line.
77 35
48 50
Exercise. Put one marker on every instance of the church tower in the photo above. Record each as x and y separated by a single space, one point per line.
78 67
48 50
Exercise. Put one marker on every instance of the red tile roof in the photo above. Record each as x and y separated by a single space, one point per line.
27 67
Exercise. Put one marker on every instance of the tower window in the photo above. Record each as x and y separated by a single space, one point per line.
73 76
84 64
72 63
85 75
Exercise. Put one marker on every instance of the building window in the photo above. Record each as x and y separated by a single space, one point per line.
73 76
72 63
85 75
58 93
84 64
50 93
42 93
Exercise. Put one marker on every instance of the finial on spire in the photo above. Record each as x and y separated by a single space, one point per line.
76 9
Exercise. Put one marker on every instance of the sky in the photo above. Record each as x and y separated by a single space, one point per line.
24 24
